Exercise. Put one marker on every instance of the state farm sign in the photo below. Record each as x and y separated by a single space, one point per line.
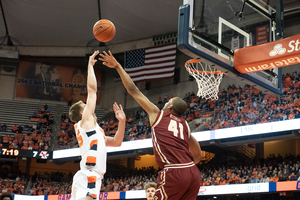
266 56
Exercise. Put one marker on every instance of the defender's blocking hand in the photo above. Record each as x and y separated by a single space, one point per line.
108 60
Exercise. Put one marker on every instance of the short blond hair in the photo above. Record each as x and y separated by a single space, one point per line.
75 111
150 185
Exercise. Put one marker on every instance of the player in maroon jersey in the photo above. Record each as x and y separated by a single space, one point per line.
176 150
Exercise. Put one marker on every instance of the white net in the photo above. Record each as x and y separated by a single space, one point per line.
207 78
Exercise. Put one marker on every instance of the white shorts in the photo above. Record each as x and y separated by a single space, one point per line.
86 185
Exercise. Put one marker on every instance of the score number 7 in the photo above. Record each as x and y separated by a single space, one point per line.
35 153
173 127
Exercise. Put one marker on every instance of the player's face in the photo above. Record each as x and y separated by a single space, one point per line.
150 193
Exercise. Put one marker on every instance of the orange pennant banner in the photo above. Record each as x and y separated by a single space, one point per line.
279 53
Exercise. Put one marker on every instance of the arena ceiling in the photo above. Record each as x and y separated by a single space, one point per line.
68 23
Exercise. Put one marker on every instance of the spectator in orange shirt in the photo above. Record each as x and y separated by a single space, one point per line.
14 128
25 147
263 120
275 178
291 115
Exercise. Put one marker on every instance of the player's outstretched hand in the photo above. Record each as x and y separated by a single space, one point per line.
108 60
120 115
92 59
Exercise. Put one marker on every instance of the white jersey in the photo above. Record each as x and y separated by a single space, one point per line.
92 148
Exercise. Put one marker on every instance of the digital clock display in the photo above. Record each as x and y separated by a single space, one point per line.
9 152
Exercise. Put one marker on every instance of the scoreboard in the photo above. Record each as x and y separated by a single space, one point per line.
13 153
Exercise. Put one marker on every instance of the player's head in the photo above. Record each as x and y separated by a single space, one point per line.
176 105
76 110
150 189
6 196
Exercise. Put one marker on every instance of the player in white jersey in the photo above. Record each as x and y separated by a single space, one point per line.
92 140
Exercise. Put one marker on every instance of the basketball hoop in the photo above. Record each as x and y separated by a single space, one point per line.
207 78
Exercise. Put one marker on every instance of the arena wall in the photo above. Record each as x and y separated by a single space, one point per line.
7 84
145 161
281 147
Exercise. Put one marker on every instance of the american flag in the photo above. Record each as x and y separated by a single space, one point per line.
151 63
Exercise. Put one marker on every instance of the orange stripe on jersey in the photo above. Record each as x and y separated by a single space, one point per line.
91 160
79 140
76 130
91 196
91 182
94 145
102 132
93 142
92 179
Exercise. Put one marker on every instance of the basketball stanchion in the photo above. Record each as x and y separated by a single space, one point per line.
207 78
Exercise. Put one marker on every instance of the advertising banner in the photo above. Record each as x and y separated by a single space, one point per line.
102 195
27 197
279 53
234 189
287 186
48 81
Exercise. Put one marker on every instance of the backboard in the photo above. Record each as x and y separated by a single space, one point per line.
210 31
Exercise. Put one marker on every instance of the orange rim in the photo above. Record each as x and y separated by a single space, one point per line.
202 72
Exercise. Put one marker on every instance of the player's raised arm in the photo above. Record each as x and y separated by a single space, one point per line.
116 141
89 110
147 105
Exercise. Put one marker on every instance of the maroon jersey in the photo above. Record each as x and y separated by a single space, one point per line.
170 136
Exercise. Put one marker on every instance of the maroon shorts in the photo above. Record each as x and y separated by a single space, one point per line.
180 182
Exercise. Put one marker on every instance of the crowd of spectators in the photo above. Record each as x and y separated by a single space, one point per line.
215 172
238 106
271 169
137 127
119 178
10 181
51 183
66 135
35 136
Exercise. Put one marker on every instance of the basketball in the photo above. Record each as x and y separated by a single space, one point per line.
104 30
